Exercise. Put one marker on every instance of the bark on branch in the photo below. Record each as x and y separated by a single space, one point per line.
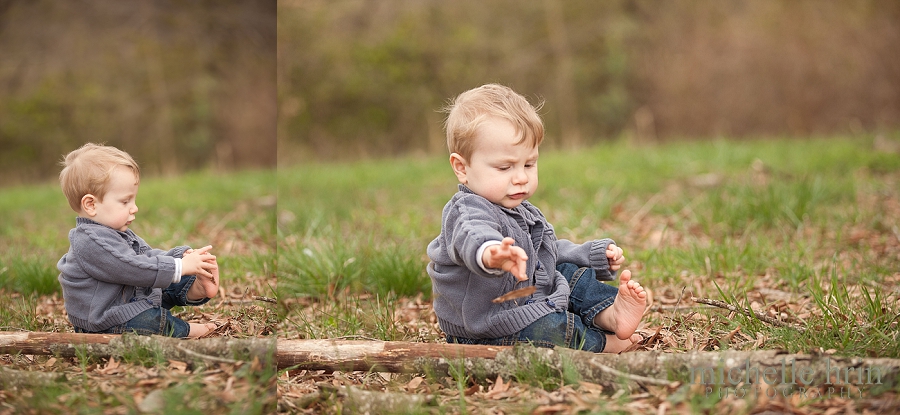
724 369
216 349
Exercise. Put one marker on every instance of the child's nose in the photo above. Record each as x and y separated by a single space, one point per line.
520 177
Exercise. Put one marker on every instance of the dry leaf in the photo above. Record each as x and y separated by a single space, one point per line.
498 391
590 387
730 335
514 294
550 409
414 383
111 368
178 366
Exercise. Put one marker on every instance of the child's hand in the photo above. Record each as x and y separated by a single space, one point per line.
616 257
198 262
205 287
507 257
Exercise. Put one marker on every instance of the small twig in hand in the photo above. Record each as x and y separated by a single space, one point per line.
747 312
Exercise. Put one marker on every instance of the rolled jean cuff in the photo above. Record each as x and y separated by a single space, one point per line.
176 294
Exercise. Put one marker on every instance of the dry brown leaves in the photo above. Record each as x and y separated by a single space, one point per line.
114 387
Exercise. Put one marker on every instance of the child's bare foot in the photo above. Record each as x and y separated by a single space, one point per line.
200 330
204 287
624 316
617 345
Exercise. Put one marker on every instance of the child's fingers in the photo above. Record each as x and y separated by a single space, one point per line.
207 257
204 250
205 273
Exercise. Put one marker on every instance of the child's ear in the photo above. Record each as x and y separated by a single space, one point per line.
459 167
88 204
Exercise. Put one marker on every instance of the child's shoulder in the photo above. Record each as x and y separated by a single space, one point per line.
468 199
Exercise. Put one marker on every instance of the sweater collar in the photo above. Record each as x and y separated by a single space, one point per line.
85 221
523 210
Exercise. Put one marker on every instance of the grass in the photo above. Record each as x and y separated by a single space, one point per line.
233 212
803 229
735 215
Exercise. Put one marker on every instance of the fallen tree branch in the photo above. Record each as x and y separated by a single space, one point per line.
749 313
199 351
481 362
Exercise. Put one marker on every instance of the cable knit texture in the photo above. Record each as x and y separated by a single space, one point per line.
463 291
108 277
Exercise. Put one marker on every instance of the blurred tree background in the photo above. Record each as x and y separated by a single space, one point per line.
367 78
178 84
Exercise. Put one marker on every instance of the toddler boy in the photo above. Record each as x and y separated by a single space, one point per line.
112 281
493 240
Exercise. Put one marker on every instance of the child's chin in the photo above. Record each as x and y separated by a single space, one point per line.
511 205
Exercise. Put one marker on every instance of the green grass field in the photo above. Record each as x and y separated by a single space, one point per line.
812 219
805 231
802 230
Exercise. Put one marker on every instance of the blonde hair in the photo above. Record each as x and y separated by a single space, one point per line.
472 108
87 171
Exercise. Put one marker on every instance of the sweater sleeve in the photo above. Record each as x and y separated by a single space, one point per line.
106 257
176 252
469 224
590 254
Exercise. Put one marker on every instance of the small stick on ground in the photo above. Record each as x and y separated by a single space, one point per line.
747 312
636 378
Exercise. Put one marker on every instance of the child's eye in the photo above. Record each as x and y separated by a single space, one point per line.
503 168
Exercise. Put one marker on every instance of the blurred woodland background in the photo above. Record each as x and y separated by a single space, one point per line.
178 84
184 85
364 78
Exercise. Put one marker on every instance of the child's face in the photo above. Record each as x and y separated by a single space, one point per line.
500 170
118 207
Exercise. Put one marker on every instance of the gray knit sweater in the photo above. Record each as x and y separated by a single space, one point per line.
108 277
463 291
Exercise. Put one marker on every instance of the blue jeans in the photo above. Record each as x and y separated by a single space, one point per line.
159 320
573 328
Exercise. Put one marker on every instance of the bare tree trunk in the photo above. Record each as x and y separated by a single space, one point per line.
729 369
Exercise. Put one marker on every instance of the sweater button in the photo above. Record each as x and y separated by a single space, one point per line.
551 303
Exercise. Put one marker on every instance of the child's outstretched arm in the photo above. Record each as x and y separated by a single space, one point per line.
507 257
